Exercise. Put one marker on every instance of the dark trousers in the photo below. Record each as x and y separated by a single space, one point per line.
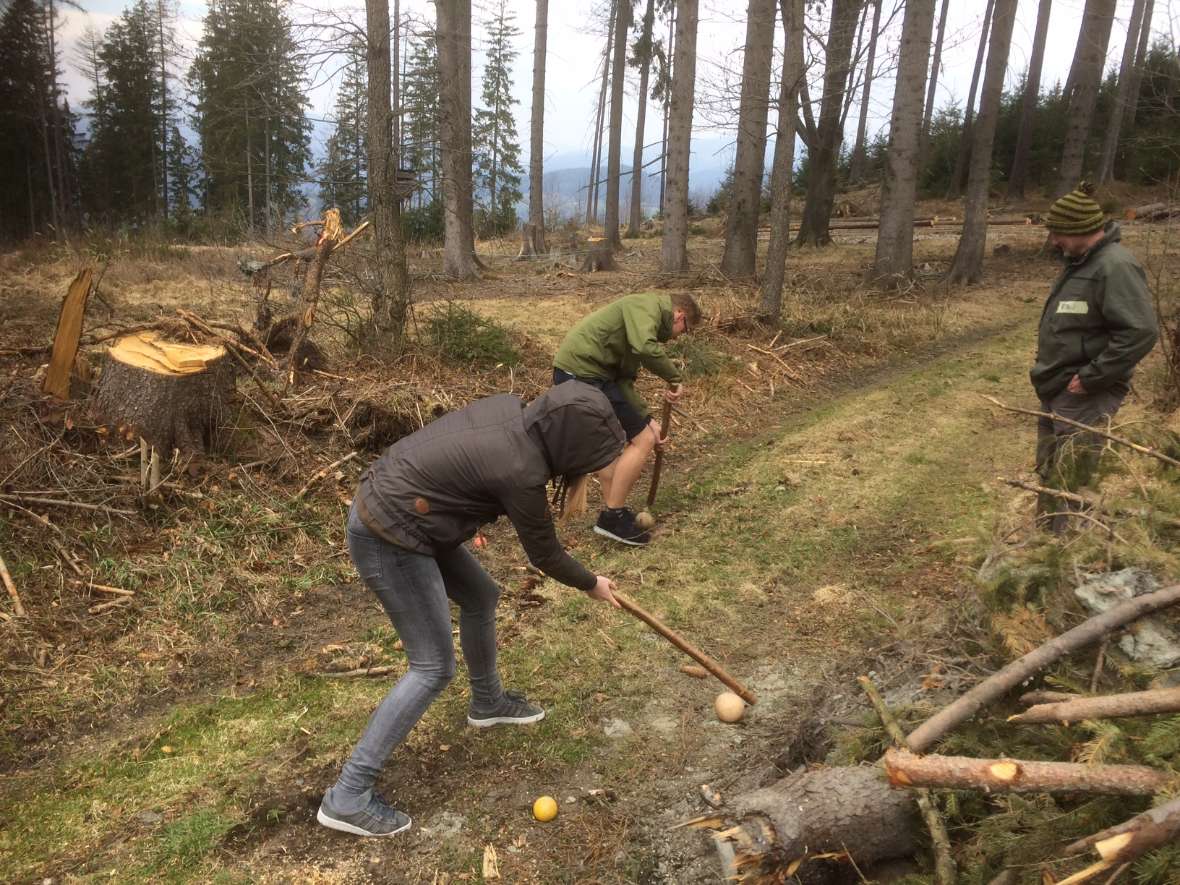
1066 455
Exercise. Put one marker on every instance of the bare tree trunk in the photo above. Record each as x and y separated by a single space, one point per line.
821 171
163 106
674 247
454 59
614 157
959 178
636 213
899 186
850 86
537 131
930 90
741 224
1140 58
771 306
1032 90
967 266
600 116
667 108
1111 142
856 171
1089 59
392 300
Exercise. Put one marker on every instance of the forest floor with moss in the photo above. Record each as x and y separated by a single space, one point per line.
830 494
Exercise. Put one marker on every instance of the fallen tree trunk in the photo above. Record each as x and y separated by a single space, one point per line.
818 811
1141 211
1000 683
1114 706
906 769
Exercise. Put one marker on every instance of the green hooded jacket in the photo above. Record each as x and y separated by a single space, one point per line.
1098 321
614 341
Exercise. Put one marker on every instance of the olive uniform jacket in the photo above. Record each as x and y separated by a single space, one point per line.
1098 322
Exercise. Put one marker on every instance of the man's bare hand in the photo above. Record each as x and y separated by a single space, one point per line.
1076 386
674 392
657 431
603 591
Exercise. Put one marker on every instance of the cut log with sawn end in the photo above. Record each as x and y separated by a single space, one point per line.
846 812
170 393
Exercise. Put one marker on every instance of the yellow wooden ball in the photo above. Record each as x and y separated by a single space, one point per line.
545 808
645 520
729 707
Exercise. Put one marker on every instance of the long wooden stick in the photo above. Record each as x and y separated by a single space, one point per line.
1123 441
17 605
1112 706
1000 683
1075 498
687 647
657 465
906 769
101 508
945 872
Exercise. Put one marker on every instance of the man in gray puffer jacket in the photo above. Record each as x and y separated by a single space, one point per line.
1097 324
416 506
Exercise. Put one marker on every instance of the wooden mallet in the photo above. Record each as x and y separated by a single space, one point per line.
687 647
665 428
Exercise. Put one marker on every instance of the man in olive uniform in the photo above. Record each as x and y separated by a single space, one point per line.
606 349
1097 324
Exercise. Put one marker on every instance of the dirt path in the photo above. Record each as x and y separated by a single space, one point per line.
832 544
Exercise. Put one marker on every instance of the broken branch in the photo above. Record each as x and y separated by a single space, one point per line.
17 605
1154 826
1003 681
1114 706
906 769
322 472
1123 441
945 872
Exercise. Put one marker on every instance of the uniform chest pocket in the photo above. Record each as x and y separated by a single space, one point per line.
1074 308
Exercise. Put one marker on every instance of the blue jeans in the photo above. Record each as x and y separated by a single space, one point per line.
414 589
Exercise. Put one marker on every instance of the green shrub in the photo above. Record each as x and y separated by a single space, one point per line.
699 357
461 335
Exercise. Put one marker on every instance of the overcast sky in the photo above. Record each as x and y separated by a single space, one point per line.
575 50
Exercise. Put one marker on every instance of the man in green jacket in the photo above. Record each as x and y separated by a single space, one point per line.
1097 324
606 349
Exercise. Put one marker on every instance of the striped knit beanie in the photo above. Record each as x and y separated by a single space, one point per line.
1076 213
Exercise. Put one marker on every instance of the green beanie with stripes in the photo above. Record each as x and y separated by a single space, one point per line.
1076 213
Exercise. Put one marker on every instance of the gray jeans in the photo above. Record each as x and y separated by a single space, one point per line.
414 589
1067 456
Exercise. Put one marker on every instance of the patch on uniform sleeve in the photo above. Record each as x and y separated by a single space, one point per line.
1073 307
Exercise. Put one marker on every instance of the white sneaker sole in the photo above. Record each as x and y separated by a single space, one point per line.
505 720
345 827
601 531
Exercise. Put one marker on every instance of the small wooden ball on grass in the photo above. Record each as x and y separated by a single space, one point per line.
729 707
645 520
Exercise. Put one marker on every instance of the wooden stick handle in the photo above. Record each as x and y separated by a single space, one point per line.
687 647
665 426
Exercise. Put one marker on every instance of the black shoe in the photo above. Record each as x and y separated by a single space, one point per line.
511 709
619 525
375 819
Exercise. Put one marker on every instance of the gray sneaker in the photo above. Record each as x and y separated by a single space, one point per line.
378 818
512 709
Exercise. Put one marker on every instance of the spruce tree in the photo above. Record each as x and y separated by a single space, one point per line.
124 159
495 144
249 102
182 178
419 99
34 144
343 174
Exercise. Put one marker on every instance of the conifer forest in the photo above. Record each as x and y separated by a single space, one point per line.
569 441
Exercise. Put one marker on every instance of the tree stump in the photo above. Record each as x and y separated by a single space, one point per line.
817 811
599 257
170 393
